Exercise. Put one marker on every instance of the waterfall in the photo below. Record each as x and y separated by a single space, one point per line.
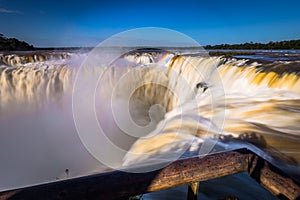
177 104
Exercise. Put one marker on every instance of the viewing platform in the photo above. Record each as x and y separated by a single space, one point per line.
190 171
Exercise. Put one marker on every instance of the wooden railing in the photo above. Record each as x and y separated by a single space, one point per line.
190 171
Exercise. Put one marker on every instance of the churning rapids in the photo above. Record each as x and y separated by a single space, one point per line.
236 102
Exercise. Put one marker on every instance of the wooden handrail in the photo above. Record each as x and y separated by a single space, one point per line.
119 184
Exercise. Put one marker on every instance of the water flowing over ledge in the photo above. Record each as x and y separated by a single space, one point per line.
260 106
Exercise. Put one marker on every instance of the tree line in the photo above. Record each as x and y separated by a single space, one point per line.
13 44
290 44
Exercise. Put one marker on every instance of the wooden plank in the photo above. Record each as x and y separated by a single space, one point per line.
118 184
273 179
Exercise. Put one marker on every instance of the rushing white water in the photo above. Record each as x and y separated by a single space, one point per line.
261 108
38 139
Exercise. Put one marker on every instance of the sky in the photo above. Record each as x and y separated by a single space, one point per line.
80 23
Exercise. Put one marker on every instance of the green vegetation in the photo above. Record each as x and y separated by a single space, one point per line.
13 44
229 54
291 44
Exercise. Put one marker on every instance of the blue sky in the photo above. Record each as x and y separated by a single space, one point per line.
50 23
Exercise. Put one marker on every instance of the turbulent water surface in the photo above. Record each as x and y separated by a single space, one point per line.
235 102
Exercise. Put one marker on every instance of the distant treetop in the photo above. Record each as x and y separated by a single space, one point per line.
13 44
291 44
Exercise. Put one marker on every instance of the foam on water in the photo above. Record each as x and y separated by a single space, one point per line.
38 139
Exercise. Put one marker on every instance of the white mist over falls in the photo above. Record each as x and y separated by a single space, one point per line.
150 103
